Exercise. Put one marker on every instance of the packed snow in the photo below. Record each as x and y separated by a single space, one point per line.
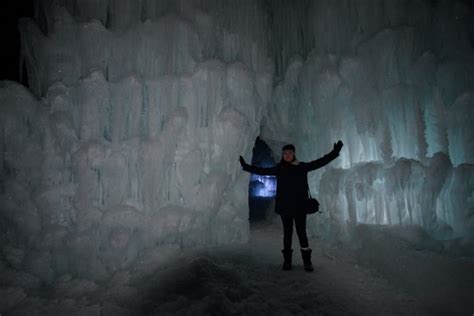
383 271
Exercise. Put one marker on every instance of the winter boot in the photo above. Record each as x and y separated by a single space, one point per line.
306 254
287 256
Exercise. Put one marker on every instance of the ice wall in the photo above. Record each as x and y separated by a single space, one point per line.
437 197
128 139
149 39
393 80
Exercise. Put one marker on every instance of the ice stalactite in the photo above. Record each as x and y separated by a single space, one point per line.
460 131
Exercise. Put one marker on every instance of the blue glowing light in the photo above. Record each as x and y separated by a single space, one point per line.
262 186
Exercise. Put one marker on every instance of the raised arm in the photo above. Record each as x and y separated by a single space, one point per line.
320 162
257 170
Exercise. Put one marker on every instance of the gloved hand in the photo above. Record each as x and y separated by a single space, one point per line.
242 161
338 146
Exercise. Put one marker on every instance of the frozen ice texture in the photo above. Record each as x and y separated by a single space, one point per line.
128 137
404 194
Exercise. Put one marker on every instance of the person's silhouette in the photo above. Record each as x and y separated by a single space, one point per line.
291 196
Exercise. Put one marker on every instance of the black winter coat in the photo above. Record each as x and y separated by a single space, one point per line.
292 182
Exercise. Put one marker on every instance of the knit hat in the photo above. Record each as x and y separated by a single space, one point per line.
289 147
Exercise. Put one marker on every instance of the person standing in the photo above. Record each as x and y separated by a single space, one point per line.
291 196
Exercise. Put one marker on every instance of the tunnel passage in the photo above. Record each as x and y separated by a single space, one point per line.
262 189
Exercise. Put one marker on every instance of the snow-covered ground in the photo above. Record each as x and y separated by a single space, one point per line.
380 271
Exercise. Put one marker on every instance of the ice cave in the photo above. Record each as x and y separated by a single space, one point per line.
121 191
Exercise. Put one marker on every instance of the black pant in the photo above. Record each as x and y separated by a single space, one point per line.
300 224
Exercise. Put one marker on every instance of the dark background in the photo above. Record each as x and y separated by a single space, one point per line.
10 12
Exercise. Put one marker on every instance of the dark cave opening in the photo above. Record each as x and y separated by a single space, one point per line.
262 189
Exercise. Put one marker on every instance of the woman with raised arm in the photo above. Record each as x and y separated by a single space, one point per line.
291 196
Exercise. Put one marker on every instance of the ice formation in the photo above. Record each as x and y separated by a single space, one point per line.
128 137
